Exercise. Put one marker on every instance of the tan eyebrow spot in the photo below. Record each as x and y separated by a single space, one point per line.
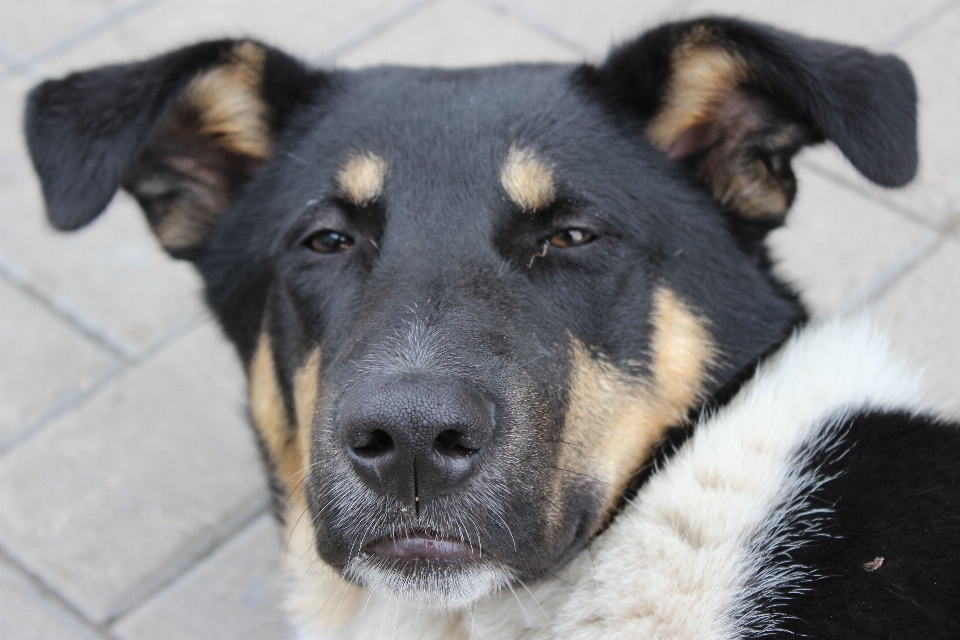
361 179
527 179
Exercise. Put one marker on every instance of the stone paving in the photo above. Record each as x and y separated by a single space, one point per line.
111 526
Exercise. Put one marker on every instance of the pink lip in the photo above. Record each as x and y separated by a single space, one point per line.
420 544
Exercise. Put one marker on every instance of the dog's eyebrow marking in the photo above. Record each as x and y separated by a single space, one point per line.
360 181
228 103
527 179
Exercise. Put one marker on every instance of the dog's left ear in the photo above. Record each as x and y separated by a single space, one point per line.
182 132
735 101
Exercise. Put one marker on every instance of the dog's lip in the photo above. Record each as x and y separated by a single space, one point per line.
422 544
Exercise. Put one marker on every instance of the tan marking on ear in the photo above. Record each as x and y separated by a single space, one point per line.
178 230
229 104
752 191
362 178
527 179
614 420
702 75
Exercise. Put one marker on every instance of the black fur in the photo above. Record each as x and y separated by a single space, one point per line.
892 492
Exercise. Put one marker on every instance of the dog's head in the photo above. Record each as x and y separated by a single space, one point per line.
472 302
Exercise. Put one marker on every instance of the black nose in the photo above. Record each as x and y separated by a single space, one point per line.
415 438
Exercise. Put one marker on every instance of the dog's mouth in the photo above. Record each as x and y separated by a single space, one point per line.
428 567
417 544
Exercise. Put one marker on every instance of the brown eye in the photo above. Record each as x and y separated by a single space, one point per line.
571 238
327 241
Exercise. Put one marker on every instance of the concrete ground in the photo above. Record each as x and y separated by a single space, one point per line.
111 526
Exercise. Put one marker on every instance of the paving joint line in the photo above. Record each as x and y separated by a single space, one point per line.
78 397
46 591
528 20
362 34
675 10
193 553
915 26
902 266
9 57
16 276
62 405
80 35
870 194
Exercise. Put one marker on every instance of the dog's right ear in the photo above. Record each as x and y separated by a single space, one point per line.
182 132
734 102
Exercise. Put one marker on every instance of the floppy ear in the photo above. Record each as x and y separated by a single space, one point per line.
735 101
181 132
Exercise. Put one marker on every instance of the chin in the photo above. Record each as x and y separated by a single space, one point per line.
431 583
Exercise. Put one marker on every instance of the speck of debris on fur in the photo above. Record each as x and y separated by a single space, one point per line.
873 565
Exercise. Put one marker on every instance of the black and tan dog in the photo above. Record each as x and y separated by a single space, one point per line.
517 360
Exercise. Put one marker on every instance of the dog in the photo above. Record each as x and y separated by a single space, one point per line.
518 363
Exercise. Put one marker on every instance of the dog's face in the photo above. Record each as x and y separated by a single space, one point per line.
492 302
472 303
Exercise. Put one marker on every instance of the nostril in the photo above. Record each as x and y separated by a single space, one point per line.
450 443
379 443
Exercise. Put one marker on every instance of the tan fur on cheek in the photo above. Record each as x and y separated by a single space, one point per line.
305 391
527 179
361 179
614 421
269 414
229 105
318 598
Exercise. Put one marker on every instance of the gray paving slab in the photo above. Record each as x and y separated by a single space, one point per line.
866 23
454 33
836 241
110 500
921 312
31 27
597 26
235 594
43 360
600 24
302 28
28 614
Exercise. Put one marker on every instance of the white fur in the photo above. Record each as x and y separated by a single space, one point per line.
686 557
